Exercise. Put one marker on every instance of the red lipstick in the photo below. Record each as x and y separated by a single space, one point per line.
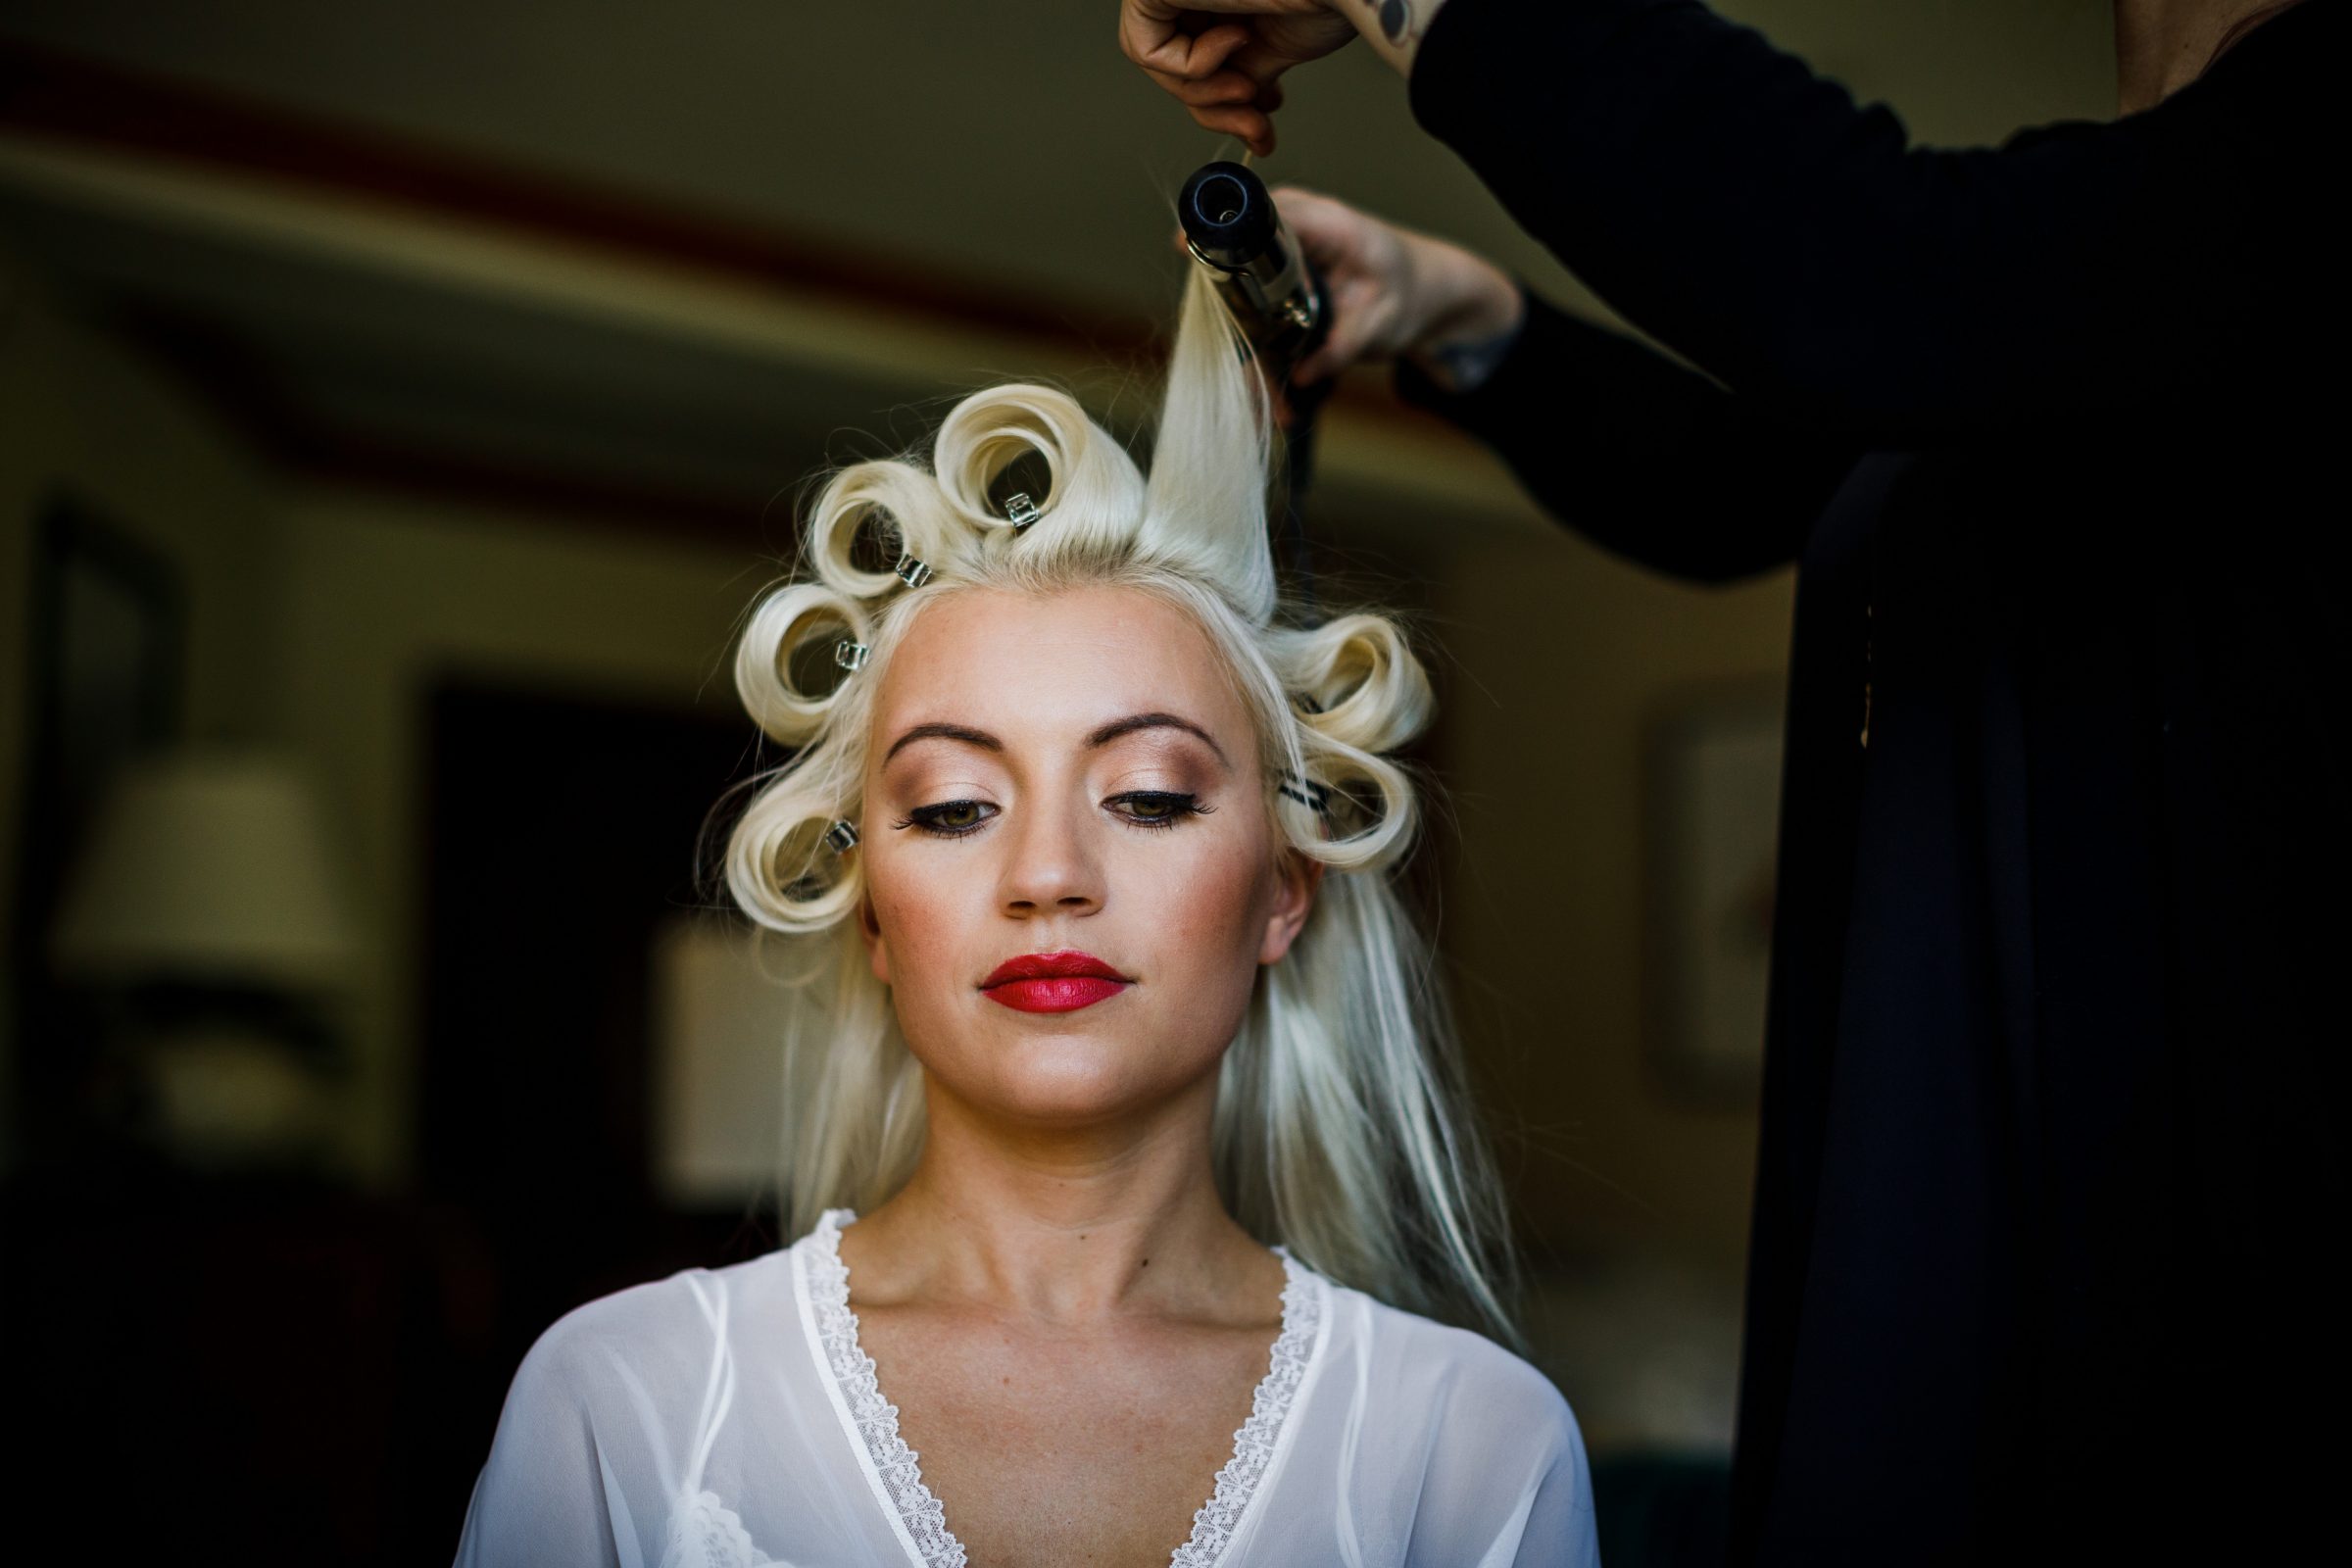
1052 982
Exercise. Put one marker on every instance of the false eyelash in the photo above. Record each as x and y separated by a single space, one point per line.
926 819
1187 805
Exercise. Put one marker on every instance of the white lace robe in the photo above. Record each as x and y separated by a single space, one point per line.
728 1417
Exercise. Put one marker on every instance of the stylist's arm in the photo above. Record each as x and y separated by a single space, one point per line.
1668 470
1795 244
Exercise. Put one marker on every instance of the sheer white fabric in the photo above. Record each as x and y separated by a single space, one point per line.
727 1418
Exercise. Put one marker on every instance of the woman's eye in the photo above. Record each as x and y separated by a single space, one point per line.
1156 808
1141 808
949 817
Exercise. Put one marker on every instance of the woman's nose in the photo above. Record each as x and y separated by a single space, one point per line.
1052 866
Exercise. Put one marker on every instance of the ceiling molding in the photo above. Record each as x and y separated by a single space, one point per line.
188 160
59 97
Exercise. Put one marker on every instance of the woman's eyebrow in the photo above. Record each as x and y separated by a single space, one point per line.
1114 730
943 732
1127 726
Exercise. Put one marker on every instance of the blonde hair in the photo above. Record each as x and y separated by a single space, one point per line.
1342 1127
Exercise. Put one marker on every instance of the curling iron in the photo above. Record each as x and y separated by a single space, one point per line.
1237 237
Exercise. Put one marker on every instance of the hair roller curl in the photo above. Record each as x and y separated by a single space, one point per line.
1089 478
1369 690
914 516
785 622
1370 811
781 871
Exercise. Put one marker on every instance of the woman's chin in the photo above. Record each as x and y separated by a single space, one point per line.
1070 1078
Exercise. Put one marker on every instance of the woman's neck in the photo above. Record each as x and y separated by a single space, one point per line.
1065 1227
2160 46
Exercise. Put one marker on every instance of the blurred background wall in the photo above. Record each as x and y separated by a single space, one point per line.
399 406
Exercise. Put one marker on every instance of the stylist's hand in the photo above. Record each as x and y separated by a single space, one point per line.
1393 291
1223 58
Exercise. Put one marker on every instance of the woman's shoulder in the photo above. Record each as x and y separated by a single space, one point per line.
1455 1373
1478 1457
668 1324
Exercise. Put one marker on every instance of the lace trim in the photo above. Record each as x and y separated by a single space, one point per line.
1253 1444
877 1419
708 1533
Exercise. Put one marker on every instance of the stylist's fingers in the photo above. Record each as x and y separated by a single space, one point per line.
1150 34
1287 34
1223 88
1328 228
1342 344
1361 315
1227 103
1252 127
1367 277
1202 69
1343 242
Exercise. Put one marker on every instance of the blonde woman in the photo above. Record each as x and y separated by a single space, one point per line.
1125 1142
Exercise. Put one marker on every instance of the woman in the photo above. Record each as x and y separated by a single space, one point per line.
1128 1143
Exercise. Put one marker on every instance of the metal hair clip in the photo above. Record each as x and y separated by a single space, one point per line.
912 572
1022 510
1315 797
850 656
842 837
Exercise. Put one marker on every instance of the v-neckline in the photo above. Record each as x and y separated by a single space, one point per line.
917 1518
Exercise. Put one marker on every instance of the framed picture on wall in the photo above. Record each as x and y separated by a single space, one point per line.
1714 789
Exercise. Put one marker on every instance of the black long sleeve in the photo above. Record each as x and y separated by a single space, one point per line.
1669 469
1796 246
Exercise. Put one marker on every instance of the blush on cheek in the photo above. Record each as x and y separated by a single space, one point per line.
1216 913
908 949
1208 925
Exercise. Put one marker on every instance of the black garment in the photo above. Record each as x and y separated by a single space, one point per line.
2052 1167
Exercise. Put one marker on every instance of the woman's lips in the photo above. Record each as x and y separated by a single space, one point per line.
1052 982
1054 995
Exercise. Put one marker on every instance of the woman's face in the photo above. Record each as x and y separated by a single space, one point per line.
1071 878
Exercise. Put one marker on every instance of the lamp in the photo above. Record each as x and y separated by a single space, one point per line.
206 903
207 866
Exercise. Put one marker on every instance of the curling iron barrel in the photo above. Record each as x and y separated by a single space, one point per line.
1236 234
